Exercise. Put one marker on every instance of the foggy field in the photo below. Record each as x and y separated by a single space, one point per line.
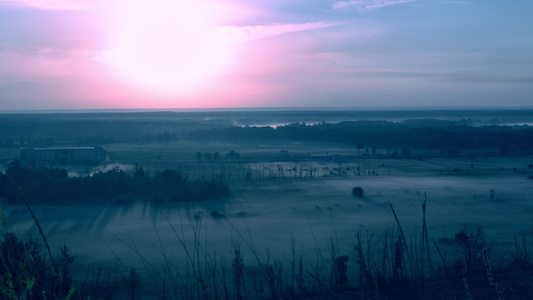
290 197
313 211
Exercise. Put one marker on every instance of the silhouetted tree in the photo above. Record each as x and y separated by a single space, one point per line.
357 191
133 281
503 149
44 185
405 152
233 155
341 279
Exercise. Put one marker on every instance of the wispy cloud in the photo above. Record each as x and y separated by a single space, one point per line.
47 4
38 63
224 36
365 5
250 33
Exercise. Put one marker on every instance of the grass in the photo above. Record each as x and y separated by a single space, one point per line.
394 264
27 274
391 265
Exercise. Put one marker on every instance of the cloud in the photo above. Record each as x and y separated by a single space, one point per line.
45 64
47 4
249 33
365 5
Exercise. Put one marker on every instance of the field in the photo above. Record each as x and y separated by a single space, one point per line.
272 212
296 201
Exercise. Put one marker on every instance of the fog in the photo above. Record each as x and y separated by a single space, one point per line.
264 216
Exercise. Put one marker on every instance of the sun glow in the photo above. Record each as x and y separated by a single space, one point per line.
166 45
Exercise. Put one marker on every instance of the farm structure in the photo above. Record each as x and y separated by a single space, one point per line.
63 156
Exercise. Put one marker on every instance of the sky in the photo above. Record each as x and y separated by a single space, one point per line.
169 54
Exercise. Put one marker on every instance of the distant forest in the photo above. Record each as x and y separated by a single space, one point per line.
419 134
448 136
54 186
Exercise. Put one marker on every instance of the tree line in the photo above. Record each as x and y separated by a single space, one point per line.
412 133
54 186
420 134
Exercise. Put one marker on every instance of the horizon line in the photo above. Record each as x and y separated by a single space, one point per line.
262 109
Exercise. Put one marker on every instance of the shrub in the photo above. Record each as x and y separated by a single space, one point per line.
26 274
357 192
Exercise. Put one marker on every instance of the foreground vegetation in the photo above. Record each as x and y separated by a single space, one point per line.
393 264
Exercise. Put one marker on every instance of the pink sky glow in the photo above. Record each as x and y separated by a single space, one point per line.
77 54
142 55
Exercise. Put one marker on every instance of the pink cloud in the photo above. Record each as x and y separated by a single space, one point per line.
41 62
48 4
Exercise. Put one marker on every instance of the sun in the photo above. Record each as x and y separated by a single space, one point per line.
166 45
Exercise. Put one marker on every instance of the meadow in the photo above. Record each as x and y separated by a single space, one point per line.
291 218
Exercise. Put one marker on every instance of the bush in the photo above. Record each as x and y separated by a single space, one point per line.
357 192
26 274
